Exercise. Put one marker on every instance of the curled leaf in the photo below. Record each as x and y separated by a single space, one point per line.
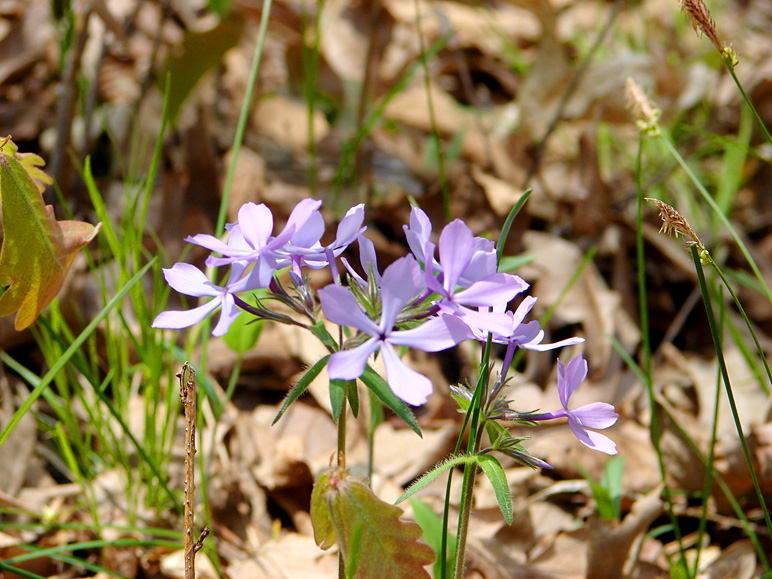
37 249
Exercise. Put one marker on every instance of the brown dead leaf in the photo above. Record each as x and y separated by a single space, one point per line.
285 122
17 452
173 566
501 195
611 542
738 561
589 302
291 556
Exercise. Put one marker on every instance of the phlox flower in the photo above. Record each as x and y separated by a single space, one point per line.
317 256
189 280
595 415
368 261
457 248
401 282
483 261
525 335
250 239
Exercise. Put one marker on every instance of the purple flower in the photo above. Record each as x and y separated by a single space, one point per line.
418 234
368 261
317 256
250 239
457 249
527 336
596 415
483 261
189 280
401 282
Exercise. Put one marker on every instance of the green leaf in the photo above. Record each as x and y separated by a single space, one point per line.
425 479
373 541
431 524
337 396
300 387
243 333
603 502
353 397
495 473
380 387
200 52
511 263
37 249
324 531
324 336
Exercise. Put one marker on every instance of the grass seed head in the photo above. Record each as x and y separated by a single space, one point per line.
646 114
674 223
703 23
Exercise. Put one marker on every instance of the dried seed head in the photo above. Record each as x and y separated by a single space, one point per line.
702 21
674 223
645 113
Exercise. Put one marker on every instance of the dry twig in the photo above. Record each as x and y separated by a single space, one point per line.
187 378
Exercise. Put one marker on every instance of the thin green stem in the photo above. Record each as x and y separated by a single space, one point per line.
432 118
721 215
243 116
727 383
759 122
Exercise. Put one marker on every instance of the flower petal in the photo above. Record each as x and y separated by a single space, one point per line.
341 307
536 345
570 377
500 324
228 315
256 223
483 262
189 280
349 227
176 319
456 248
418 234
401 281
212 243
435 334
596 415
406 383
493 290
350 364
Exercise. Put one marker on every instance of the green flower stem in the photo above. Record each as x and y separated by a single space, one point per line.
759 122
243 116
727 384
476 430
709 199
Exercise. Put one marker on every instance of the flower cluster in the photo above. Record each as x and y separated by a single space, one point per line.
432 299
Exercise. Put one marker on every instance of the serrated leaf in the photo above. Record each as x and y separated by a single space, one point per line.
495 473
380 387
301 386
37 249
372 539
